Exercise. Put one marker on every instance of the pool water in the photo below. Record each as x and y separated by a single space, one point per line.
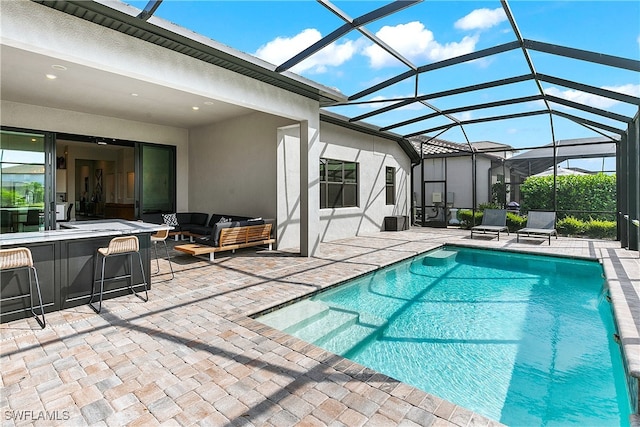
522 339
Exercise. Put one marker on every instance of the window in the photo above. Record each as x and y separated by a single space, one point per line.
390 189
338 184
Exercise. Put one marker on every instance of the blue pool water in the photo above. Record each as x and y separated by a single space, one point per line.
526 340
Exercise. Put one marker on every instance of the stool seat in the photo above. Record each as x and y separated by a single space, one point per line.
19 258
123 245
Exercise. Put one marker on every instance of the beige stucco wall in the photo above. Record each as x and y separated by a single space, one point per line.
373 154
232 166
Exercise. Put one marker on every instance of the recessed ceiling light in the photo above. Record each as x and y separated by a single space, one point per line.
33 140
52 76
195 108
208 103
134 94
59 67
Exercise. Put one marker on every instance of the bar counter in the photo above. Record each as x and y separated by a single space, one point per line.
64 260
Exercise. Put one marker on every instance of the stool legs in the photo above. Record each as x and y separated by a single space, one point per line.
166 250
95 268
144 279
129 276
35 274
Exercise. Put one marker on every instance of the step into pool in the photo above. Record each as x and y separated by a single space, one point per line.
522 339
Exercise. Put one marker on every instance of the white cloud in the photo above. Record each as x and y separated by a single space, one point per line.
282 49
481 19
464 116
594 100
416 43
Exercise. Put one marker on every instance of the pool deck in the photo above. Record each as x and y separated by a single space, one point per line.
192 356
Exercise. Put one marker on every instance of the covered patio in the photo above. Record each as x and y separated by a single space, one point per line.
193 354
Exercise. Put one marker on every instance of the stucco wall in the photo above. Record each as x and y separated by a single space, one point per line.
373 154
232 166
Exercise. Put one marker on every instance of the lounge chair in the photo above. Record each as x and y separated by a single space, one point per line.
539 223
493 221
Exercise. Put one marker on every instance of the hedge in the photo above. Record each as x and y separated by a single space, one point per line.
574 193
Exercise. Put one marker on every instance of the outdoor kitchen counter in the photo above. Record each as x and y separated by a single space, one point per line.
64 261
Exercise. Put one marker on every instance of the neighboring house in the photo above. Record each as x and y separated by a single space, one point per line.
448 177
245 140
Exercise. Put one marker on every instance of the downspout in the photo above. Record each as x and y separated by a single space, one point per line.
490 173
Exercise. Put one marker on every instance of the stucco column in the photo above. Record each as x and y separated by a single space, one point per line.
309 188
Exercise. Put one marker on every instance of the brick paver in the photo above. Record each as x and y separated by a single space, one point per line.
192 356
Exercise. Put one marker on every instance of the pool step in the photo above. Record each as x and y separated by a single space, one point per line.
295 317
331 323
440 257
365 329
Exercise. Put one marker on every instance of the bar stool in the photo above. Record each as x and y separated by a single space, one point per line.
161 236
124 245
18 258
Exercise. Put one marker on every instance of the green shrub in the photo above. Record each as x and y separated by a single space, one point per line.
598 229
515 222
574 193
571 226
484 206
466 218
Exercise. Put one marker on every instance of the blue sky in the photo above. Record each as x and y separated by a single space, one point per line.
429 32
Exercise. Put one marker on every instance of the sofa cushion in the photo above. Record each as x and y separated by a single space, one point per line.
184 217
153 218
199 218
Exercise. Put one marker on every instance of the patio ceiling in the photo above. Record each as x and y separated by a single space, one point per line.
425 112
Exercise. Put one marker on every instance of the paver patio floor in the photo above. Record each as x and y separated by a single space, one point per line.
192 356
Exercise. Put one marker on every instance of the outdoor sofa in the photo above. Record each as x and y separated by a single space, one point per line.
221 232
227 233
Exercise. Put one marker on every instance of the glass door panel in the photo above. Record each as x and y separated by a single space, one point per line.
158 179
22 180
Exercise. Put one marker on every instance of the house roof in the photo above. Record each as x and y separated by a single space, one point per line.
435 147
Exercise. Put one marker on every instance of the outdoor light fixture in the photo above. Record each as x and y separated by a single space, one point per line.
51 76
59 67
195 108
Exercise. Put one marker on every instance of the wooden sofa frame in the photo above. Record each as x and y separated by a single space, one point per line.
231 239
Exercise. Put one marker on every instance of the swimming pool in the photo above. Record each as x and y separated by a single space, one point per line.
523 339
